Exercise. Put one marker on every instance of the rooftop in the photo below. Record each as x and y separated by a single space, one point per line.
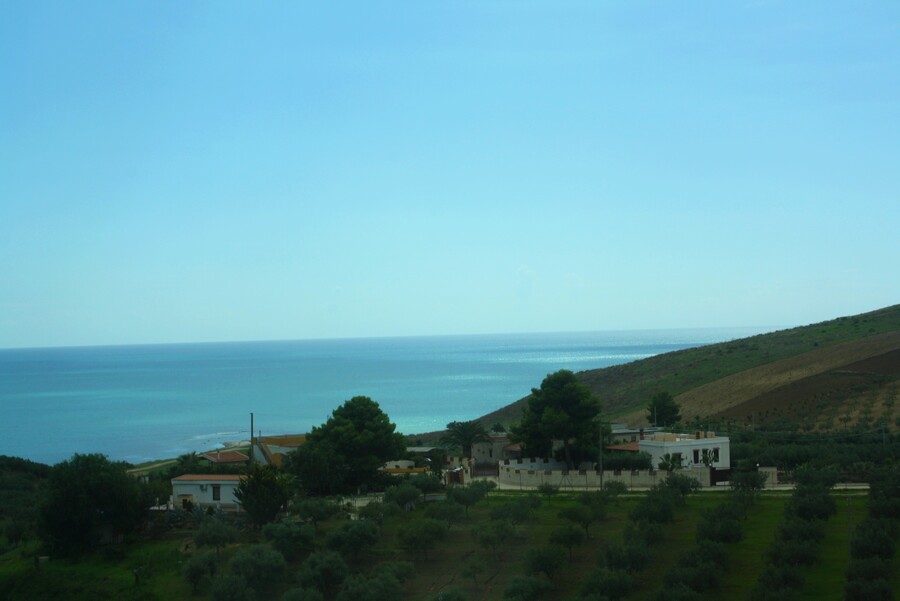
224 457
208 478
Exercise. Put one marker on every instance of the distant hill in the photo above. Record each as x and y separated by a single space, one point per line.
831 375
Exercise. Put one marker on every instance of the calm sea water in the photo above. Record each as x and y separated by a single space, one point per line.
137 403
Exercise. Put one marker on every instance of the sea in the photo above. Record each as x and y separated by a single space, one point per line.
140 403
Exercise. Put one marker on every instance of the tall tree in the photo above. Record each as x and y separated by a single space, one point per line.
263 492
563 409
662 410
88 497
359 437
465 435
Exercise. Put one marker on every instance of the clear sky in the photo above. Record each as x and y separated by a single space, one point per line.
201 171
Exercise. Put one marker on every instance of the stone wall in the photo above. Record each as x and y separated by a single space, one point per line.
533 473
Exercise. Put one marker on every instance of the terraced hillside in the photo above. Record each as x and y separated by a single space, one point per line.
829 375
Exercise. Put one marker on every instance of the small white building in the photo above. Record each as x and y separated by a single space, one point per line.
206 490
696 450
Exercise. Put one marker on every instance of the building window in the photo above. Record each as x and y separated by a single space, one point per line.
697 455
716 454
217 492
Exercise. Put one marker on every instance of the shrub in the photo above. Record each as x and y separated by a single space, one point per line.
315 510
518 511
612 584
401 570
302 594
378 587
547 559
405 495
874 538
215 533
584 515
868 590
709 552
812 502
807 530
567 536
657 507
421 534
683 485
720 529
869 568
548 490
466 495
446 511
696 575
351 538
324 570
525 588
257 564
793 552
633 556
426 484
778 577
648 533
230 587
288 538
451 594
200 568
613 489
679 592
493 534
376 511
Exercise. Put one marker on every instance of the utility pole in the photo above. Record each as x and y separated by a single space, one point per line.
251 438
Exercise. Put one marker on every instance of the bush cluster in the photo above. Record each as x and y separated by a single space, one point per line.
700 569
874 542
613 579
797 540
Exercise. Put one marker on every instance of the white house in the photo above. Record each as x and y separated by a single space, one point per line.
206 490
696 450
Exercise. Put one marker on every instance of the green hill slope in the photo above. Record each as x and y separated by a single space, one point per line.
624 389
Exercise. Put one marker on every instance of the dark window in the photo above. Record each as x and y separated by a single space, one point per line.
715 454
697 455
217 492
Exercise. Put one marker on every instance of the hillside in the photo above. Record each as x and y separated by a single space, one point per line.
828 375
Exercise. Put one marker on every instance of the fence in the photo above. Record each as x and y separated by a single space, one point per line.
534 474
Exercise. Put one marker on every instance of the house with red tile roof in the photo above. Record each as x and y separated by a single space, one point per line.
225 457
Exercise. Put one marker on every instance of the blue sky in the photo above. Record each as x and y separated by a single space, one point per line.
186 171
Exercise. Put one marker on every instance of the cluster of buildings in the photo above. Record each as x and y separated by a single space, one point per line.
498 456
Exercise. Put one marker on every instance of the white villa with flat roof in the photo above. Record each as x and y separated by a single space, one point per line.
696 450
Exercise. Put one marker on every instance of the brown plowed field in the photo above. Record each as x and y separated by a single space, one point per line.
857 394
734 391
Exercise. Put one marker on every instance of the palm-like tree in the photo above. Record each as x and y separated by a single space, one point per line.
465 434
671 462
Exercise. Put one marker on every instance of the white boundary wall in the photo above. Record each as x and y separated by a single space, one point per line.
531 473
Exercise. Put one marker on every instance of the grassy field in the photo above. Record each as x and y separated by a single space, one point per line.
624 389
747 558
825 581
108 574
